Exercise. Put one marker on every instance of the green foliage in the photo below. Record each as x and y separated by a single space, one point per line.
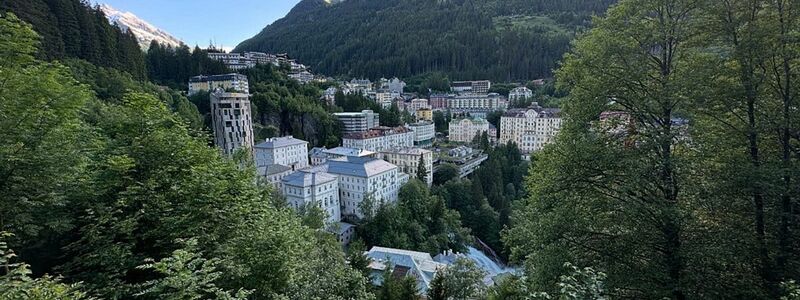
460 280
282 106
16 283
441 121
173 66
463 39
791 290
669 208
394 288
73 29
445 173
357 259
419 221
95 187
186 275
422 172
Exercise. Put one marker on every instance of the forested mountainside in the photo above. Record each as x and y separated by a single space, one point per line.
467 39
73 29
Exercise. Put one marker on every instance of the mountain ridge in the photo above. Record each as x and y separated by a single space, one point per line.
144 31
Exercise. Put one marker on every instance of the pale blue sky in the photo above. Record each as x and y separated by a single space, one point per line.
226 22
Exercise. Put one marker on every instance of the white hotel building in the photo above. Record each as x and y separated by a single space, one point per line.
530 128
313 188
380 138
362 177
287 151
424 132
465 130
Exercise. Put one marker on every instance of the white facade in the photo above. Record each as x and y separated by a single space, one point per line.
424 132
380 138
358 121
465 130
321 189
287 151
361 178
519 94
385 98
530 128
274 174
407 159
231 119
477 103
303 77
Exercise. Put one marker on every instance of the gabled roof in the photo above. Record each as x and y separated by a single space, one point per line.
359 166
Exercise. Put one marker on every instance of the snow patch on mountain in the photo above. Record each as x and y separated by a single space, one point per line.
144 31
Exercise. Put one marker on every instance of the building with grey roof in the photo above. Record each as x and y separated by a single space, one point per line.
320 189
274 174
363 178
287 151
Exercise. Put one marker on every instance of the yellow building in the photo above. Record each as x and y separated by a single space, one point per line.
425 114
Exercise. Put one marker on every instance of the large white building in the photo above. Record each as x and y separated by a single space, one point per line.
424 132
530 128
322 155
520 94
407 159
235 82
365 177
231 120
287 151
358 121
465 130
380 138
417 104
321 189
477 103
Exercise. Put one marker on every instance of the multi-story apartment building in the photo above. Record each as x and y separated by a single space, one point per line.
407 159
230 117
302 76
235 82
520 94
385 98
321 189
465 130
477 103
416 104
530 128
425 114
287 151
424 133
358 121
477 87
363 86
439 101
365 178
234 61
379 139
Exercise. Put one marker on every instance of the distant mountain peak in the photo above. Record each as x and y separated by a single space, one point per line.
144 31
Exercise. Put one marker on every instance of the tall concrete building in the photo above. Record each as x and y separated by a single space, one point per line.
358 121
313 188
233 125
465 130
364 177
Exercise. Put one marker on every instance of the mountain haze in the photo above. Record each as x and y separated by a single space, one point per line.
466 39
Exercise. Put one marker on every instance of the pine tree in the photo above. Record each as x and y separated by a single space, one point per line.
438 288
422 172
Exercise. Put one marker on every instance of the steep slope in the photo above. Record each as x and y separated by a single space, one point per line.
144 31
467 39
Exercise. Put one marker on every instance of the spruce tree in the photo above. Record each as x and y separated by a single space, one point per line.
422 172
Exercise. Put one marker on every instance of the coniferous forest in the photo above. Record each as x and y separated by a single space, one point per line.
466 39
675 176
